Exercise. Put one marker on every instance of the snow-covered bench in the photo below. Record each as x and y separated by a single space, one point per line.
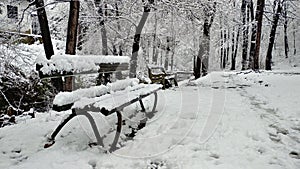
106 99
70 65
157 74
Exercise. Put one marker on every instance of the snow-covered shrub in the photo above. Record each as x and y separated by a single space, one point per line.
22 92
20 87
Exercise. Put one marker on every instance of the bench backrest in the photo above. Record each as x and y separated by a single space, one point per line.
71 65
156 71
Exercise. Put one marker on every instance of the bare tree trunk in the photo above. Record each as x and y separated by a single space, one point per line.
233 59
136 42
253 36
172 40
154 52
228 45
48 47
258 18
245 35
103 33
294 35
72 38
120 53
224 49
272 36
234 44
232 49
203 54
285 24
221 50
103 78
173 54
42 17
221 43
167 54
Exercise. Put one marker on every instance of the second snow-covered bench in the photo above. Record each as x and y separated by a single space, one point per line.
70 65
106 99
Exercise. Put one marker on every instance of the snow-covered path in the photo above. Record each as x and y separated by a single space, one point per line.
224 120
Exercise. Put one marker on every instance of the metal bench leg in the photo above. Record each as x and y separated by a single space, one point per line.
155 102
94 127
51 140
142 105
151 114
118 132
175 82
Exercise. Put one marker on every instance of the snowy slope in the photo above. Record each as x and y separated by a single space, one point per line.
225 120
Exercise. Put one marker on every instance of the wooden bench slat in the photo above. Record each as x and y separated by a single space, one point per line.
65 98
110 103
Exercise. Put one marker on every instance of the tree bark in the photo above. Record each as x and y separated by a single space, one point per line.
294 35
137 36
285 24
258 18
120 53
42 17
245 35
224 49
72 38
154 52
233 41
221 44
203 54
232 49
103 78
227 45
233 59
48 47
253 36
103 34
272 36
166 65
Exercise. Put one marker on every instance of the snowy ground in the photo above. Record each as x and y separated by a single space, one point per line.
225 120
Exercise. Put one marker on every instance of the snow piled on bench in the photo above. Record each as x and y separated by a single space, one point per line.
118 98
64 98
77 63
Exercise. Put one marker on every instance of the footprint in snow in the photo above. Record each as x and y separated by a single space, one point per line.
93 163
295 155
17 156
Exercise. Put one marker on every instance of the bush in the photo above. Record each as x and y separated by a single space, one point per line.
21 92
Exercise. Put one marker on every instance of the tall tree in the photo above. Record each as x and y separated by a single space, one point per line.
72 37
102 10
203 54
221 43
258 19
168 49
235 41
115 52
253 35
155 50
245 34
285 24
47 42
137 36
272 36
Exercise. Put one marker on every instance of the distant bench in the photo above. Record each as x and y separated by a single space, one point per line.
157 74
107 100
